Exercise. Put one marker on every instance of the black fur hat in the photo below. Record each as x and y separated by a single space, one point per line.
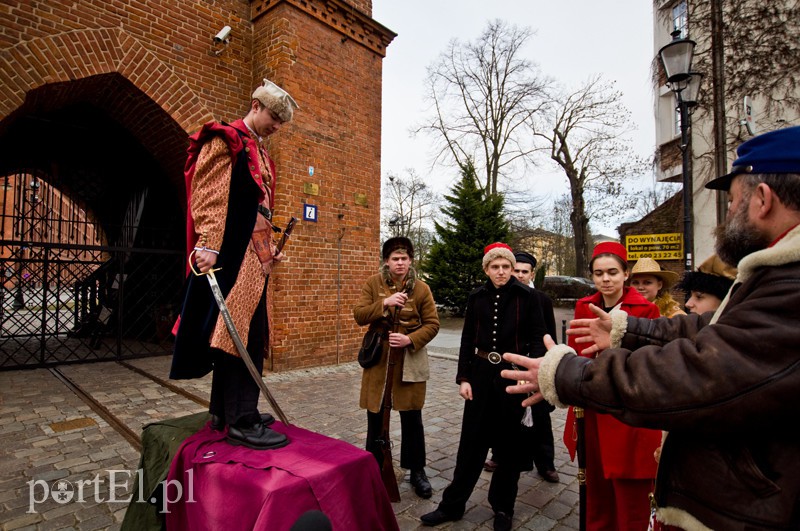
712 276
398 242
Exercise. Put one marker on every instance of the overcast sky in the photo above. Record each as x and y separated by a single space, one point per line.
573 40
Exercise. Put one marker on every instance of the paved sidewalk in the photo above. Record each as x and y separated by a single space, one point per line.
47 433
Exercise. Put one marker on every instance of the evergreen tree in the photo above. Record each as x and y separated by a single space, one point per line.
474 221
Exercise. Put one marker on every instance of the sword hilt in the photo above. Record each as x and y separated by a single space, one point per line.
199 273
286 233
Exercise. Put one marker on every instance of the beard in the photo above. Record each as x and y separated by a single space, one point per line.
738 237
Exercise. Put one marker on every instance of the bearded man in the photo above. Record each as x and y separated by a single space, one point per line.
724 384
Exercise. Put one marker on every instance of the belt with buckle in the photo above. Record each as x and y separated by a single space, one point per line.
264 211
493 357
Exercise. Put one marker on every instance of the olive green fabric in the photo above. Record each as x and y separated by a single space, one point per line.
160 442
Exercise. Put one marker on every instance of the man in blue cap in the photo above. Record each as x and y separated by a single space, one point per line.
725 385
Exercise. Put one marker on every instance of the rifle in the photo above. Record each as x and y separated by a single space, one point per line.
387 468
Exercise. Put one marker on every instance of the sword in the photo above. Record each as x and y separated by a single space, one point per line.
286 233
237 339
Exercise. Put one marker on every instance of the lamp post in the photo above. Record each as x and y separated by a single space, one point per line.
676 57
398 226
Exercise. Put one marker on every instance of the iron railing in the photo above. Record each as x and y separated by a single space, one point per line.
75 303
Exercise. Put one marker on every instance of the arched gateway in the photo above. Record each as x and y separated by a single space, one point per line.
97 100
92 148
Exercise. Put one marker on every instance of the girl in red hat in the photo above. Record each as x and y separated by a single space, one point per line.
620 468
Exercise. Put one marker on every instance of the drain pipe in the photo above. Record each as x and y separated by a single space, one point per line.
339 294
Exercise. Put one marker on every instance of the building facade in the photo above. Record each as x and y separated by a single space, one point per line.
98 101
746 49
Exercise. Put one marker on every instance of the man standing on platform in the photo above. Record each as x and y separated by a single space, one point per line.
396 291
230 186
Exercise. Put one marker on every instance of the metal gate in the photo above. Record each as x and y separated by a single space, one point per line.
68 296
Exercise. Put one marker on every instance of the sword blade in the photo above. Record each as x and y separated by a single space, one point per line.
237 340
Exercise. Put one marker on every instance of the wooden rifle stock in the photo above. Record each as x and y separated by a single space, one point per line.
387 468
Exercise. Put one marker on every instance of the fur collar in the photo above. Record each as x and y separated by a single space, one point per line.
411 278
786 251
667 306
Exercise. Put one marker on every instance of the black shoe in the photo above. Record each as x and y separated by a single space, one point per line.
490 465
437 517
257 437
502 522
551 476
421 484
217 424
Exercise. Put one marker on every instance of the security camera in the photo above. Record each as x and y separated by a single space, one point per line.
223 34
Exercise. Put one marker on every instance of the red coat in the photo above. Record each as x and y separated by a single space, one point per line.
625 452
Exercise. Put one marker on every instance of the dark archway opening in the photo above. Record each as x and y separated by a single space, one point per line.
92 224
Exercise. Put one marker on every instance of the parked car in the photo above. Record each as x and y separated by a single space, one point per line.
565 288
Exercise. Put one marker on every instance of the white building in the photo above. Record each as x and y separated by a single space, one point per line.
732 69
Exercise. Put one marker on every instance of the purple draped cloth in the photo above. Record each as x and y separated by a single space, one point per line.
214 485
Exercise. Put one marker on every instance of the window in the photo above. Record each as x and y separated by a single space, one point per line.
679 19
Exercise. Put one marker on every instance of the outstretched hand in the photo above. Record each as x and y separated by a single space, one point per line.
527 380
597 331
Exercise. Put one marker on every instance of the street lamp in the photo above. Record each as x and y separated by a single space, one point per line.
676 57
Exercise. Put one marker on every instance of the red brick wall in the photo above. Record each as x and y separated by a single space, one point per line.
337 83
163 81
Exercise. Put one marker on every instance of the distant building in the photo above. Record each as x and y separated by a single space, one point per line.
554 252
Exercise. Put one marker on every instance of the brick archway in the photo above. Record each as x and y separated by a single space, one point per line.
117 120
75 55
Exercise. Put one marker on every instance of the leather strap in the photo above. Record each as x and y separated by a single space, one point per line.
264 211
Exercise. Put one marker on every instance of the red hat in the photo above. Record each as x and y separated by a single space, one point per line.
614 248
498 250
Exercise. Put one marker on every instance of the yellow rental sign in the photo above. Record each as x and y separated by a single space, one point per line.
656 246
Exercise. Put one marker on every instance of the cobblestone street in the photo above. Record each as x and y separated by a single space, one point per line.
48 433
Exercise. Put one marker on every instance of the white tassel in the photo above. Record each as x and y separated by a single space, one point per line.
527 419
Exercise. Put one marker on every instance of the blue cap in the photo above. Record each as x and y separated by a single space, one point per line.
774 152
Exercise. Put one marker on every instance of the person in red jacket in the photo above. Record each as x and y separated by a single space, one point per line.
620 469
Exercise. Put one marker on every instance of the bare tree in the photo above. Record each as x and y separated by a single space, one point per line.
483 95
407 210
561 255
762 50
644 201
584 134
